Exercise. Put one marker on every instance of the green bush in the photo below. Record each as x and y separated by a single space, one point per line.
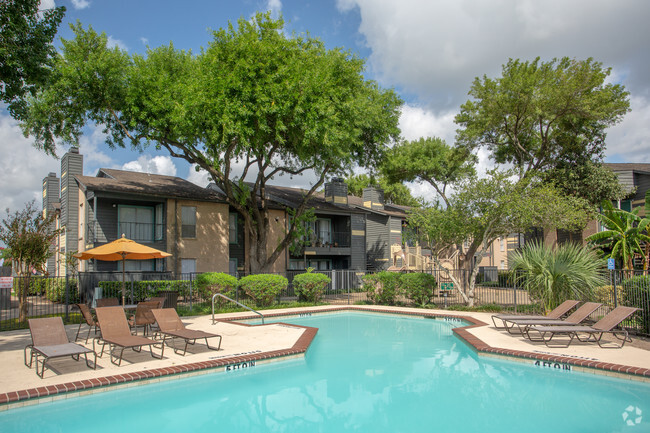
418 287
310 286
382 288
144 289
263 288
55 290
209 283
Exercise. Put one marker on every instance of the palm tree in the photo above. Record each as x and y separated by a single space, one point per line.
624 234
554 275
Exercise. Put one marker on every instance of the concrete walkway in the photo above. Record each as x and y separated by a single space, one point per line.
243 343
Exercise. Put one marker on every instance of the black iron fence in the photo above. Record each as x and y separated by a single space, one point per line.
47 296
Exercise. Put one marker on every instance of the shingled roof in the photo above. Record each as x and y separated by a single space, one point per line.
628 166
131 182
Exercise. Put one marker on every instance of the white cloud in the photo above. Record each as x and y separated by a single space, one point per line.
416 122
275 6
22 167
155 165
46 4
80 4
112 42
435 49
200 178
629 141
144 40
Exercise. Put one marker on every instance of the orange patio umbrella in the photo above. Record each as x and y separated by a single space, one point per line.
122 249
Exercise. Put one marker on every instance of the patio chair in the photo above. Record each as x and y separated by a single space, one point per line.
50 341
89 320
108 302
170 325
556 313
116 333
160 299
143 316
594 333
575 318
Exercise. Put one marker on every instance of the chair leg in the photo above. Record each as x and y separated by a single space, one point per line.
77 336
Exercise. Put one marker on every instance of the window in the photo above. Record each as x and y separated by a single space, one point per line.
137 265
232 226
321 265
296 264
136 222
322 232
188 266
502 244
503 264
159 222
188 221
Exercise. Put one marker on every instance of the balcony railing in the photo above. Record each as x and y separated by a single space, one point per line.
330 239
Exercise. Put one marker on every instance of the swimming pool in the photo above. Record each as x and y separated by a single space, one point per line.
363 372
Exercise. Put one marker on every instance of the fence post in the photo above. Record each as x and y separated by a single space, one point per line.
613 275
350 279
514 287
67 295
191 292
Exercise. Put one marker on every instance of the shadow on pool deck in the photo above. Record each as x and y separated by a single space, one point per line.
245 344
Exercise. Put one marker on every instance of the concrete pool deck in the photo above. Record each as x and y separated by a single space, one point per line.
244 345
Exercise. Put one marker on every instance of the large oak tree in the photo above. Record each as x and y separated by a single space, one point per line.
253 105
26 50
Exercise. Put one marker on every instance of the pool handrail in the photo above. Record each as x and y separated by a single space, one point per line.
238 303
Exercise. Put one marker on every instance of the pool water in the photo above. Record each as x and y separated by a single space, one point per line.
363 373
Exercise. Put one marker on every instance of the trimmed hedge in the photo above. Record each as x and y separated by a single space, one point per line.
418 287
143 289
209 283
55 291
263 288
310 286
382 287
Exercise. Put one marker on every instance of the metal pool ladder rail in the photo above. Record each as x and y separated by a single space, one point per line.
238 303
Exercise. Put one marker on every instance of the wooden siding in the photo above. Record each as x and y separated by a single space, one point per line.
377 247
71 165
358 243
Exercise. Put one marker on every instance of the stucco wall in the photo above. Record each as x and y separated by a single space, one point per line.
209 247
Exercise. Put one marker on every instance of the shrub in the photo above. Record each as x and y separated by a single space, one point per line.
56 290
382 287
555 275
263 288
418 287
144 289
309 286
209 283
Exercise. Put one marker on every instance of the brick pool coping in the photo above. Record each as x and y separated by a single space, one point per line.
301 346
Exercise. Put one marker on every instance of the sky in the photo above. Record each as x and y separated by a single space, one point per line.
429 51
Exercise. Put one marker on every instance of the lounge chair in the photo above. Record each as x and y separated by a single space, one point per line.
108 302
575 318
143 316
49 341
115 332
170 325
595 333
557 312
160 299
89 320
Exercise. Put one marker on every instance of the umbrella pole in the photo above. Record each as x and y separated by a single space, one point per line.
123 282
